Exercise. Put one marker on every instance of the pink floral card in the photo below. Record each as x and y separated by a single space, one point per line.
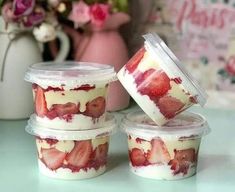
202 34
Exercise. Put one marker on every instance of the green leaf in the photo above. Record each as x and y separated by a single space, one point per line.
90 2
120 5
204 60
223 73
1 3
233 80
214 1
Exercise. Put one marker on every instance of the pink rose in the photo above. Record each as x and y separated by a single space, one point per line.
35 18
7 13
230 67
80 13
99 13
23 7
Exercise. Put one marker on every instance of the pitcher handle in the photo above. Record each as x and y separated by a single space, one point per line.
64 46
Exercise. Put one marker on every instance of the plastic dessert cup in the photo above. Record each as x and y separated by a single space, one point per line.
70 93
159 83
73 154
165 153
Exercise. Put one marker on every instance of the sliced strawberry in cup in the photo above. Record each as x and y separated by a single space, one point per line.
51 114
154 83
80 154
158 152
137 157
101 153
182 160
96 107
169 106
134 61
64 109
40 102
52 158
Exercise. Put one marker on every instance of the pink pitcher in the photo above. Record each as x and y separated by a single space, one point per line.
105 46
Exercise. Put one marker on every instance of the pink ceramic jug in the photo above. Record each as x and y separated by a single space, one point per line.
104 46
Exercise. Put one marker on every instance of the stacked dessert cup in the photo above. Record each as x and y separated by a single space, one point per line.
163 139
70 123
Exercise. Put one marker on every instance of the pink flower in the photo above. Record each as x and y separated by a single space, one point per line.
80 13
99 13
7 13
230 67
35 18
23 7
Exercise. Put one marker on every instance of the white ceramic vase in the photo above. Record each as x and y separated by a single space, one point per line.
18 50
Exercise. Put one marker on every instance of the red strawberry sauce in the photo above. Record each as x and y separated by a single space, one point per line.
85 87
49 88
139 140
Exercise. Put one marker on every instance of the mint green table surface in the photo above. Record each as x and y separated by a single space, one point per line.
216 168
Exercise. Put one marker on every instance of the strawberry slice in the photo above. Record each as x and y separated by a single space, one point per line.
182 160
40 102
52 158
158 152
64 109
80 154
174 166
185 155
154 83
169 106
135 60
96 107
101 153
137 157
51 114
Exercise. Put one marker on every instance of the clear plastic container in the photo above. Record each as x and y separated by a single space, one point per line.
165 153
159 83
70 93
71 155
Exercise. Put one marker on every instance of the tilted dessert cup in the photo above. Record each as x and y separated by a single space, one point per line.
75 154
169 152
159 83
70 93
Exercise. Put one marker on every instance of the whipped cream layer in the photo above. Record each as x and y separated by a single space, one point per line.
161 172
79 120
67 174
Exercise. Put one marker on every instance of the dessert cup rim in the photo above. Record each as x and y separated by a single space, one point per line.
131 125
107 128
69 73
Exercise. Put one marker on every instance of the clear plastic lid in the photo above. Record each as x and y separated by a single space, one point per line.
69 73
37 129
184 125
172 66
